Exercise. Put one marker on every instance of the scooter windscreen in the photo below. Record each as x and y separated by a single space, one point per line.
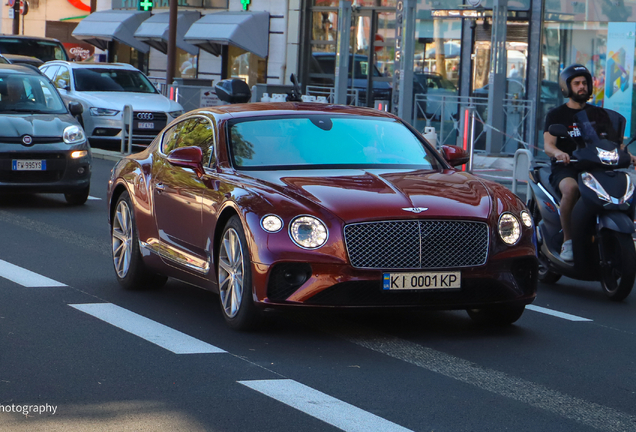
603 131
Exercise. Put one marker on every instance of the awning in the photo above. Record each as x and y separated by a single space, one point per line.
246 30
154 31
101 27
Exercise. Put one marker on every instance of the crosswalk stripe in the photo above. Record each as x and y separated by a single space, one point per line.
557 314
94 198
145 328
26 277
322 406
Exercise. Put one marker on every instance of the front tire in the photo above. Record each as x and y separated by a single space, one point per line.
618 269
131 271
499 315
235 278
78 198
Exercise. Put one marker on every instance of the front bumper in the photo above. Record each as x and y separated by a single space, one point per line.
509 281
109 128
63 174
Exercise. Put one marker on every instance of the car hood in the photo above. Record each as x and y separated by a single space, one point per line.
139 101
37 125
357 195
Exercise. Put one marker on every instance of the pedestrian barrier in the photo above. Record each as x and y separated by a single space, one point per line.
521 169
126 129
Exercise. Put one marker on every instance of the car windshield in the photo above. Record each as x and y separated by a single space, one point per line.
44 50
323 141
112 80
31 94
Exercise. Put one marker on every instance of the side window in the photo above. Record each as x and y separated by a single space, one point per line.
50 71
170 139
63 78
197 132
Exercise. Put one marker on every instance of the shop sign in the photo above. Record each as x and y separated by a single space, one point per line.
619 71
399 22
208 99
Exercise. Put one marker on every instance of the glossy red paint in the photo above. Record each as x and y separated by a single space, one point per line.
182 206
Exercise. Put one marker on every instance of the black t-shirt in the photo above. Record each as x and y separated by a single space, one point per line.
564 115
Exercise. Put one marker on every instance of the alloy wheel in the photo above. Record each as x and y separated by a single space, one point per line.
122 237
231 270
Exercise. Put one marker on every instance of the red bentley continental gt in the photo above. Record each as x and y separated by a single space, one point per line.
317 205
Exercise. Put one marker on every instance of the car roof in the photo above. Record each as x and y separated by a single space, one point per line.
78 65
290 108
48 39
18 69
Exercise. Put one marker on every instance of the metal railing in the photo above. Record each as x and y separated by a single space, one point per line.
353 95
449 114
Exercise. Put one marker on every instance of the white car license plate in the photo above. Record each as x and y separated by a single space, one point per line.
146 125
422 280
29 165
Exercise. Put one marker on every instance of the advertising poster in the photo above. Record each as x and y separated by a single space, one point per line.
619 69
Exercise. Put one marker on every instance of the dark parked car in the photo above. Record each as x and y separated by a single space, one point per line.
45 49
322 69
301 204
42 145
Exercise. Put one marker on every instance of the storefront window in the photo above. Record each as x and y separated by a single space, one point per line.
247 66
186 65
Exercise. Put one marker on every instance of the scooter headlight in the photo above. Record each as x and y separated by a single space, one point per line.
509 228
592 183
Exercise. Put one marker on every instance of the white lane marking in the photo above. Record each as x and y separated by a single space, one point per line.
94 198
557 314
536 395
26 277
145 328
321 406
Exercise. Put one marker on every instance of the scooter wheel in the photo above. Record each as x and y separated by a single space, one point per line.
619 270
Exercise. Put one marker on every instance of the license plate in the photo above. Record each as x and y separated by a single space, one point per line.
422 280
146 125
29 165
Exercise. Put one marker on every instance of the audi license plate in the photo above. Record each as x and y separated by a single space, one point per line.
422 280
28 165
146 125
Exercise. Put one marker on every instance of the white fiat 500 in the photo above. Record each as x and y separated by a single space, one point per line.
104 89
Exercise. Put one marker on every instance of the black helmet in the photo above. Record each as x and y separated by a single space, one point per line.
570 72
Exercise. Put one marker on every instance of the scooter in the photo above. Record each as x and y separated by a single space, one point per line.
603 217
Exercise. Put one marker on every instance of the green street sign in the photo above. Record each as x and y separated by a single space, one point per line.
245 4
144 5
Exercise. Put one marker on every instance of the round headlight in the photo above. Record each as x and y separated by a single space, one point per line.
308 232
526 219
509 228
73 135
271 223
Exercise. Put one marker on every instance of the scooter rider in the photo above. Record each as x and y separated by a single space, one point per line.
576 84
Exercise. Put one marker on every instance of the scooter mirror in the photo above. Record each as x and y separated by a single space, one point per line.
558 130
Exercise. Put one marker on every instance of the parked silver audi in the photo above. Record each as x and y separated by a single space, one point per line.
104 89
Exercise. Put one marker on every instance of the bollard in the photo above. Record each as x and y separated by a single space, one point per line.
126 128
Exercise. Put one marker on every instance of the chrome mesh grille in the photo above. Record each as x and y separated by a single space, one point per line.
417 244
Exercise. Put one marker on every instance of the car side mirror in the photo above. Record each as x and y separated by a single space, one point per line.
558 130
455 155
75 108
61 84
188 157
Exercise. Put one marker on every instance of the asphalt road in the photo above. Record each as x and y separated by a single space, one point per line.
92 356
